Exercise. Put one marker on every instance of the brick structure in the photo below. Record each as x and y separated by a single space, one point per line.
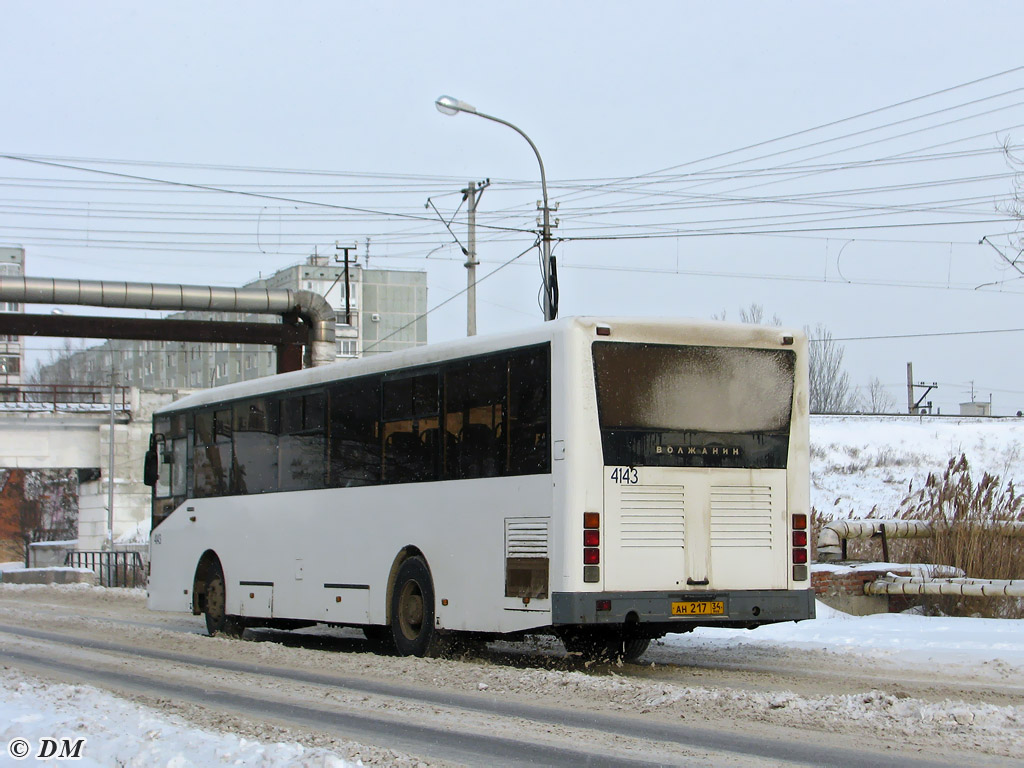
842 587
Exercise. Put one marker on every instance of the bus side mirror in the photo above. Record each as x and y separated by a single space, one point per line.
151 469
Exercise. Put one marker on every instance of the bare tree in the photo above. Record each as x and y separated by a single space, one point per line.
830 390
878 399
754 314
63 367
37 505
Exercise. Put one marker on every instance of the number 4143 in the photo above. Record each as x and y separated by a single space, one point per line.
625 475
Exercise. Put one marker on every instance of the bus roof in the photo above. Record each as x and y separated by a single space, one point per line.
653 330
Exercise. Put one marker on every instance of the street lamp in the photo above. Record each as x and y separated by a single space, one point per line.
447 105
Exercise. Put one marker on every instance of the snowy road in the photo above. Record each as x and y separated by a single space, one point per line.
517 704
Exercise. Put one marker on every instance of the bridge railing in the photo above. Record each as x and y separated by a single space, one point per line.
58 397
114 569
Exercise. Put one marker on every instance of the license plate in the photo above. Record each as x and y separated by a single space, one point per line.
699 608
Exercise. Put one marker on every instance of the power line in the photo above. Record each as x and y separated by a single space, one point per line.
924 335
716 233
823 126
452 297
207 188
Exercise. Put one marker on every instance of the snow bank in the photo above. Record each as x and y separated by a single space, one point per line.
903 638
119 732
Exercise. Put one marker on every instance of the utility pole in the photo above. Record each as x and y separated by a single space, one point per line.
110 465
910 387
471 195
547 260
346 249
913 405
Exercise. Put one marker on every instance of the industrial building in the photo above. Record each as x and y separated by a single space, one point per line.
378 310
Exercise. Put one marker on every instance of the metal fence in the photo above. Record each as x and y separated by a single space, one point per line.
67 396
114 569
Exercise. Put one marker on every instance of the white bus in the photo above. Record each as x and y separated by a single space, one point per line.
604 480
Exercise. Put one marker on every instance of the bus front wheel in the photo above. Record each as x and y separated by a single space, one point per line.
412 609
218 622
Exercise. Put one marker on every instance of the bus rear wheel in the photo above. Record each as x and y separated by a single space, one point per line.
605 647
218 622
412 609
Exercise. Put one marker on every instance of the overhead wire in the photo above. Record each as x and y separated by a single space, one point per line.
452 297
208 188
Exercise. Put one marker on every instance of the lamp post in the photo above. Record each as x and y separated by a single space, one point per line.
447 105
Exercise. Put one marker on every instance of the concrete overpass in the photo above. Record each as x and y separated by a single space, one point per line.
76 435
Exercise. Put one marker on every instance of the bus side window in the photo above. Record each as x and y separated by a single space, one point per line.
301 445
255 432
210 472
475 408
409 412
355 444
529 412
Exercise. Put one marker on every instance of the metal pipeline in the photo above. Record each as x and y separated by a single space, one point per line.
916 585
310 306
830 539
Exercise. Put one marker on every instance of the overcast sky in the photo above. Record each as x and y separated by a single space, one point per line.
870 225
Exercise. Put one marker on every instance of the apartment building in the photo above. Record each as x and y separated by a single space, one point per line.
378 310
12 351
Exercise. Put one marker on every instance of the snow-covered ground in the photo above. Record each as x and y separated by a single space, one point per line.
121 733
858 463
900 639
865 463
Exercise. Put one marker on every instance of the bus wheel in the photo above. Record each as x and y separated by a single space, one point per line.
217 621
605 647
412 609
381 640
632 649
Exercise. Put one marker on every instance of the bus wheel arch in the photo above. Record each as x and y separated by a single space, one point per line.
210 597
209 563
411 603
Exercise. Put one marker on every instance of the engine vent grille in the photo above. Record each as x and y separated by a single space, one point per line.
741 516
652 516
526 537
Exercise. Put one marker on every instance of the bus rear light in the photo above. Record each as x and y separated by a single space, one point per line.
604 605
591 520
604 330
799 555
800 521
591 574
799 573
799 538
591 538
591 556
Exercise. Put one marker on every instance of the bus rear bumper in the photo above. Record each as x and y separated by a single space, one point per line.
740 608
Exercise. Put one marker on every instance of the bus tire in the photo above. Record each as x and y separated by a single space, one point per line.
632 648
603 647
412 609
381 640
218 622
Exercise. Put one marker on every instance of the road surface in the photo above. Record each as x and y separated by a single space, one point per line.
508 704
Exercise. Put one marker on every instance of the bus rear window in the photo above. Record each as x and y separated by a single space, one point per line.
693 405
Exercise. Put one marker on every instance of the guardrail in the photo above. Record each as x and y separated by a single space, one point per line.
114 569
60 396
